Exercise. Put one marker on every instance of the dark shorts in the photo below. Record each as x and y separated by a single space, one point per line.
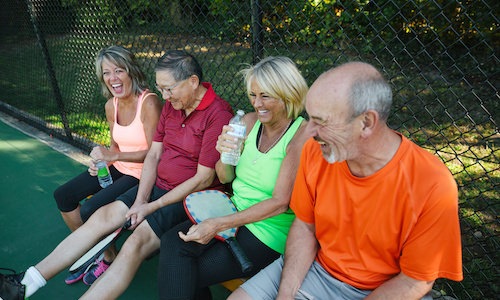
162 219
69 196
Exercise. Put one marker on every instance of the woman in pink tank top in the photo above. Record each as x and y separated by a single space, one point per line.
132 112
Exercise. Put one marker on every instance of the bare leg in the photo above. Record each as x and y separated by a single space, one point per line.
72 218
239 294
140 244
102 222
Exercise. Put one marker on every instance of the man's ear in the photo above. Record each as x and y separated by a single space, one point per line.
370 120
194 80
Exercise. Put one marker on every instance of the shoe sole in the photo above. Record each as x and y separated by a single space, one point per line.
74 280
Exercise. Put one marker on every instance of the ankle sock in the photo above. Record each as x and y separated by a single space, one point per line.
33 280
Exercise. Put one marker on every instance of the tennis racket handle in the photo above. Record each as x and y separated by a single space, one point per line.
241 257
127 224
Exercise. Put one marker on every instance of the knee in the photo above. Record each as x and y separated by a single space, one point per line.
58 193
108 216
63 198
171 242
142 242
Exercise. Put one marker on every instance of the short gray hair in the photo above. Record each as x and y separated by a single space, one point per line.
180 64
371 93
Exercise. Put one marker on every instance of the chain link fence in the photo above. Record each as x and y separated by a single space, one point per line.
441 58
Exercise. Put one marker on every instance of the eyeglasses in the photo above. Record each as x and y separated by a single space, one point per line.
168 90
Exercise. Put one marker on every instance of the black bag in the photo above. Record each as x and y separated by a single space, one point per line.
11 287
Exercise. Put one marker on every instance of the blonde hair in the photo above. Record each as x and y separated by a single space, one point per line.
280 78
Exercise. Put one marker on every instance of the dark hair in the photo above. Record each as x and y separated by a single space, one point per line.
125 59
180 64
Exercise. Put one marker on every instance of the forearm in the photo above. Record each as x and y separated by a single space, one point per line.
401 287
114 154
148 177
177 194
301 249
136 156
225 173
260 211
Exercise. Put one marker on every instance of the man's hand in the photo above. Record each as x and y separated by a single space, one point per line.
137 213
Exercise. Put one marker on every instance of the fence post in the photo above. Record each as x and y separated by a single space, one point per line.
257 44
50 70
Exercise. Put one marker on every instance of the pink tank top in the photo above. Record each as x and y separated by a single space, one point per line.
130 138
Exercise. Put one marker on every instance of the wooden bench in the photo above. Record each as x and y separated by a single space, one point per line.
233 284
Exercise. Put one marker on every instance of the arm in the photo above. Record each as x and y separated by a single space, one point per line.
151 109
225 173
202 179
148 179
278 203
401 287
301 249
96 153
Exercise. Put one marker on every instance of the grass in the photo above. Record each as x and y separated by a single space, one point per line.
439 111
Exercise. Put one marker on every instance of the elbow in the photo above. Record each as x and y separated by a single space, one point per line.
206 181
281 207
225 173
152 156
281 202
224 179
426 289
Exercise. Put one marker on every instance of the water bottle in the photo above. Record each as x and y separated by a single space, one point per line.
103 174
238 130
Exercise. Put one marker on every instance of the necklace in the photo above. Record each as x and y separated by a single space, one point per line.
272 145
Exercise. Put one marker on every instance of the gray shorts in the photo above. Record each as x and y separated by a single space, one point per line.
318 284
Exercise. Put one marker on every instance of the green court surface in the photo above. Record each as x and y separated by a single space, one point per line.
30 223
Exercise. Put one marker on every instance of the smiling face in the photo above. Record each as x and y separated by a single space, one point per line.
269 110
181 94
331 120
116 79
